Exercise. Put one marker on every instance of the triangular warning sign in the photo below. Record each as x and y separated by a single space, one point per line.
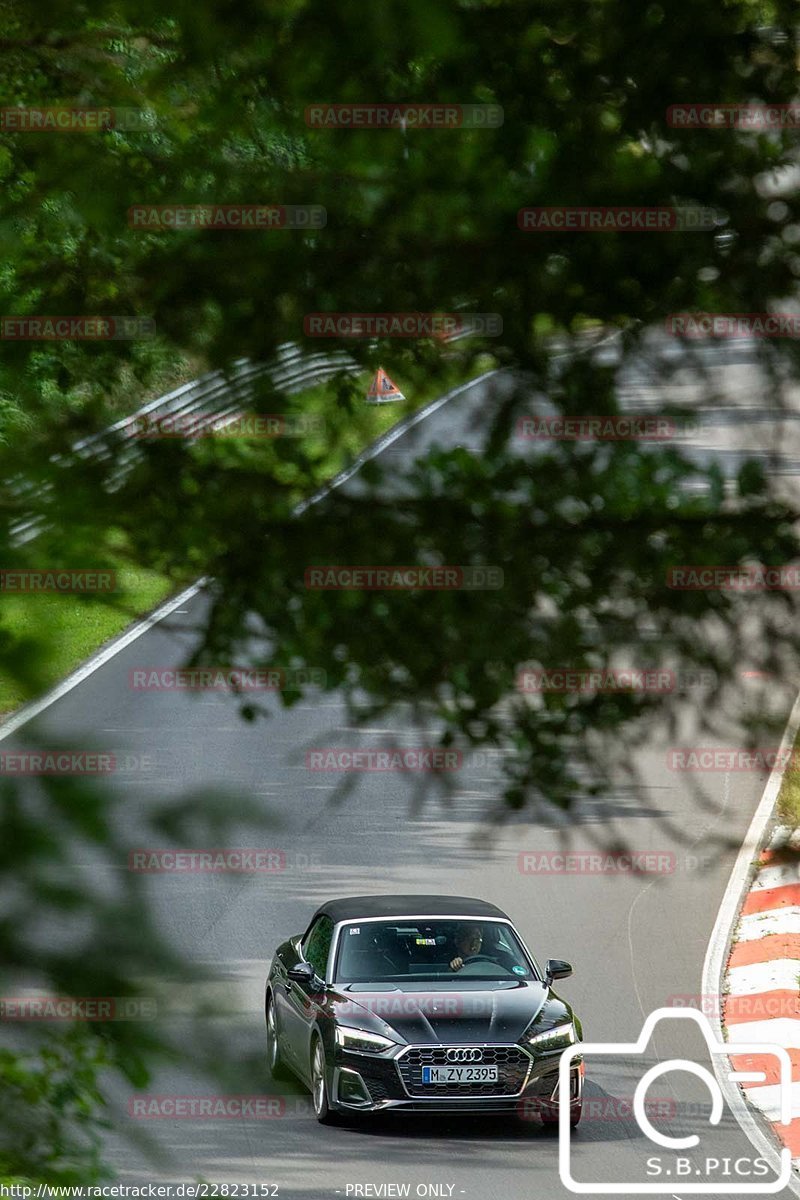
382 390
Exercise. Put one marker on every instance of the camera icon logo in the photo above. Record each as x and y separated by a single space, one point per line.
672 1181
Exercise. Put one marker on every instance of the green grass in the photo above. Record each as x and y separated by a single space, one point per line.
49 635
63 630
788 806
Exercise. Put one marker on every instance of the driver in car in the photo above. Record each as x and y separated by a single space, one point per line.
468 944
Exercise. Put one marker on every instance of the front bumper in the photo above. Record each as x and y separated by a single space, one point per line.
367 1083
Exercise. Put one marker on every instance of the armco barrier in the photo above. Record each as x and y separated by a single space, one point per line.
220 395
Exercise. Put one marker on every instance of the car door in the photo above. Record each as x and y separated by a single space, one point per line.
301 1005
287 956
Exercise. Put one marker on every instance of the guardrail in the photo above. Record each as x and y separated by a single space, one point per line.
218 396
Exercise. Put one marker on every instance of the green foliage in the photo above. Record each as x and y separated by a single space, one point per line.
52 1108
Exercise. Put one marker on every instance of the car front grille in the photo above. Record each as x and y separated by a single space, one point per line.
512 1067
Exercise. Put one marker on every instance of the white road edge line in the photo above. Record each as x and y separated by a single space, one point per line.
29 711
716 954
389 438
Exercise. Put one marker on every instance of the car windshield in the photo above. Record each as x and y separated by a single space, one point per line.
429 949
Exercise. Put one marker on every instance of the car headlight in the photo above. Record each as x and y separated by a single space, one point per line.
361 1041
554 1039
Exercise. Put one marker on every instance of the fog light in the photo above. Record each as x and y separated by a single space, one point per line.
352 1089
574 1086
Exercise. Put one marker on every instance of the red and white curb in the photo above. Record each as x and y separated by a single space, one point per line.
761 994
753 965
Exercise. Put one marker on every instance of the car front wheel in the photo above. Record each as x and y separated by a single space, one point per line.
319 1085
277 1068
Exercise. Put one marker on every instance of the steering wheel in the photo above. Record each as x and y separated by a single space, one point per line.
479 958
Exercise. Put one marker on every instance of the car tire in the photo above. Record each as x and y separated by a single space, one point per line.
551 1119
319 1084
277 1067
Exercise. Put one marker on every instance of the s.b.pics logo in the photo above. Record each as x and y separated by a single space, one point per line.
670 1158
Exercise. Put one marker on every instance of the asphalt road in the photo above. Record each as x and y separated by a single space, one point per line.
635 942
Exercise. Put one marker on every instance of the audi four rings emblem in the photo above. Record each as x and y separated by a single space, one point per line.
464 1055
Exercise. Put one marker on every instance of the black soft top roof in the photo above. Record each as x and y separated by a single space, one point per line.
356 908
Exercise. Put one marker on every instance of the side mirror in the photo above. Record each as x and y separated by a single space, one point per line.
556 968
302 973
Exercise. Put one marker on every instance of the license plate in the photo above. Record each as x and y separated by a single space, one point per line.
459 1074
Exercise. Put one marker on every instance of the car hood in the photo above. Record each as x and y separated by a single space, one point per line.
497 1014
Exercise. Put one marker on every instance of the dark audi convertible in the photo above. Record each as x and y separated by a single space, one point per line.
426 1003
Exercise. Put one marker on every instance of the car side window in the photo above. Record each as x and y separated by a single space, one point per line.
318 943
